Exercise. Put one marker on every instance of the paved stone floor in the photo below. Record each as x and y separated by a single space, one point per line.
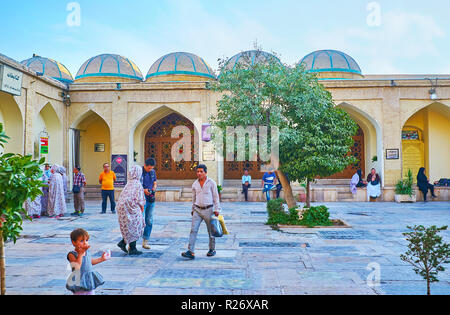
254 259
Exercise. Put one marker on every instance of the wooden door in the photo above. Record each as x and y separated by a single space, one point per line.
358 150
158 145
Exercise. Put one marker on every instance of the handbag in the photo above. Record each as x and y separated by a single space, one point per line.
216 227
222 223
76 189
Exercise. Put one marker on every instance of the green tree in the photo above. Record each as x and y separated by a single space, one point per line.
19 181
426 252
315 136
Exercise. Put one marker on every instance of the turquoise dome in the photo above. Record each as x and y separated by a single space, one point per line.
50 68
180 63
330 61
250 58
109 65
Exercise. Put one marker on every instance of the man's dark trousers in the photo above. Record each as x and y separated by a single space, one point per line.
105 195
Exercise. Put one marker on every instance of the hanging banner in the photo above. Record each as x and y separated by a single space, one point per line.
44 145
120 167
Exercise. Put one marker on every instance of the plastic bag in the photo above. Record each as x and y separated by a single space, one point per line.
216 227
222 223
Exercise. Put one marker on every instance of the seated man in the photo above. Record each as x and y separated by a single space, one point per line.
280 186
269 182
246 183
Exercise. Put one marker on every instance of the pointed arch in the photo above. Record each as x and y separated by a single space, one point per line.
425 141
48 123
373 137
12 119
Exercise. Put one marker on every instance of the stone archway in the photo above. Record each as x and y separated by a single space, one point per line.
425 142
358 151
12 120
47 123
94 147
159 143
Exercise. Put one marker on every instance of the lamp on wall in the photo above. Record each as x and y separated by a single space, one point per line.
433 94
66 98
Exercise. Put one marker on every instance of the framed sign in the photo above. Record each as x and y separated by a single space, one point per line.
10 80
392 154
120 167
99 147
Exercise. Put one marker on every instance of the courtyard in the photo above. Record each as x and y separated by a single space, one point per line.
254 259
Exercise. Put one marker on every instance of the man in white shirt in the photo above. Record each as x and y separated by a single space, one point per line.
205 203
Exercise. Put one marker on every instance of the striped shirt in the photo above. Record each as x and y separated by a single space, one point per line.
79 179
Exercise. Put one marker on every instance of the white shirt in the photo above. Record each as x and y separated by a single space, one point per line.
206 196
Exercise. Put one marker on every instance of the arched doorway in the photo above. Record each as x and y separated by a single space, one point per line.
159 143
357 151
12 121
425 142
91 145
47 124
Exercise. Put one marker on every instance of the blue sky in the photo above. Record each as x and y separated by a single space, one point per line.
413 37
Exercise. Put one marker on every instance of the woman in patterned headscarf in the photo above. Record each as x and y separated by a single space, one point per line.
56 198
129 209
34 207
62 170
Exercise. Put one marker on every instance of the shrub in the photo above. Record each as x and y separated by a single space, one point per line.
315 216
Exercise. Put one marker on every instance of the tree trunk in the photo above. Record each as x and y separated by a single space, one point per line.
308 193
428 287
289 196
2 264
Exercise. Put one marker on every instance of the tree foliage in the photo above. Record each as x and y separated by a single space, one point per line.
426 252
19 181
315 135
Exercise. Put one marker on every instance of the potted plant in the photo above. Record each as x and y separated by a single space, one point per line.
220 189
404 191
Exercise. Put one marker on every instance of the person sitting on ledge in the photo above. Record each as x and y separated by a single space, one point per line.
424 185
373 186
357 182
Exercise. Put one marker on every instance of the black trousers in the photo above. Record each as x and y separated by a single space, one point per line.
425 190
105 195
279 189
245 189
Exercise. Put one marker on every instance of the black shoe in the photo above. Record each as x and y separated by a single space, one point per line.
113 212
123 246
75 214
103 212
211 253
188 254
134 252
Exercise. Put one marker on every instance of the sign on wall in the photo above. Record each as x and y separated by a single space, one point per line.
44 145
120 167
10 80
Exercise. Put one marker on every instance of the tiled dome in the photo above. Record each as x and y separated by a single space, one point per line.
180 66
49 68
331 64
107 68
250 57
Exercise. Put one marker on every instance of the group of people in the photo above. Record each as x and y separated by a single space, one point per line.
373 184
270 182
52 202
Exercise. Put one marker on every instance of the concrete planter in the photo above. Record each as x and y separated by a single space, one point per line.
405 198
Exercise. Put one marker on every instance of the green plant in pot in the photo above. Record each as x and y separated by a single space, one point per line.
404 190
